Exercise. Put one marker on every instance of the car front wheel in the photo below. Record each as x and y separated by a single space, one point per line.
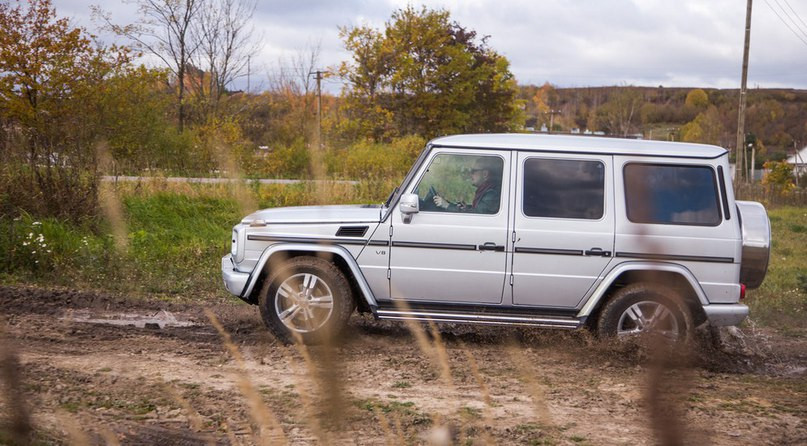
307 299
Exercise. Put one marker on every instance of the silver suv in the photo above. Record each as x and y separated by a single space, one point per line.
622 236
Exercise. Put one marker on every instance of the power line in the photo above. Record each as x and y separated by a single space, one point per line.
786 24
796 14
792 20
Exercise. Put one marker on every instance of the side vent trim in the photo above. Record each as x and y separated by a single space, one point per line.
352 231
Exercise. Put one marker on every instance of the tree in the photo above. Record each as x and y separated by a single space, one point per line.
425 75
778 178
165 28
697 99
618 114
57 103
706 128
226 43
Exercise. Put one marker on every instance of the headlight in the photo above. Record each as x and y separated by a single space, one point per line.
234 248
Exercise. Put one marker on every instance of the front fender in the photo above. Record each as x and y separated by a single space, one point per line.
337 250
622 268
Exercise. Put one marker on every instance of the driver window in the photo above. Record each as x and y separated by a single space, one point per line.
461 183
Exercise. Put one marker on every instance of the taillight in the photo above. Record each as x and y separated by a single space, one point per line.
742 291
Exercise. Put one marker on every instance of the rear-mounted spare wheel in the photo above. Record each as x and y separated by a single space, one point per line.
756 230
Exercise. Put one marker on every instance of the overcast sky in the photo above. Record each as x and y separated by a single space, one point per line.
675 43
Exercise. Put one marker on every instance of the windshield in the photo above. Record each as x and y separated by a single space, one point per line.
396 193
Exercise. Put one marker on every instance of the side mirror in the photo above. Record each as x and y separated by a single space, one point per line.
409 206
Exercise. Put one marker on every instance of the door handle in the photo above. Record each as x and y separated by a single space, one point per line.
597 252
490 246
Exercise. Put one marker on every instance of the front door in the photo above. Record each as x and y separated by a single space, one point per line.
453 249
564 227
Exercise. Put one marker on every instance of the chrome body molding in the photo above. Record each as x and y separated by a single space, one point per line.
477 318
721 315
272 250
599 291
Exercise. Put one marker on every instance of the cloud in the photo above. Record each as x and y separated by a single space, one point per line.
568 43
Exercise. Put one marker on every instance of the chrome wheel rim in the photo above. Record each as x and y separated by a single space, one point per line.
304 302
648 317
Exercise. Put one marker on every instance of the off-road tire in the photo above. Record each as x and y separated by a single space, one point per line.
624 298
343 301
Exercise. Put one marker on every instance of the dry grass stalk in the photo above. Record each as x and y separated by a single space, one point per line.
315 423
487 412
194 418
110 202
389 435
75 436
109 437
267 422
19 426
534 388
246 200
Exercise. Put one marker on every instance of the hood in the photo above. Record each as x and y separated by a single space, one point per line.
356 213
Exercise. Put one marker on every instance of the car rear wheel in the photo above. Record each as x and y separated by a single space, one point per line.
307 299
641 309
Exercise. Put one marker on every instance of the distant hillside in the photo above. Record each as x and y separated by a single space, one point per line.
776 119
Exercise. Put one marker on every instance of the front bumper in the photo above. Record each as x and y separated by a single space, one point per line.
235 281
720 315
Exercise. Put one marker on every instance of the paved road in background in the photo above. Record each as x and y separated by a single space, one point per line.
130 179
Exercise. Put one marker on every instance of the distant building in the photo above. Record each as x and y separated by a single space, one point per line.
799 161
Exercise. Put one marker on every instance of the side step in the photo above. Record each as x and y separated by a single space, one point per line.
568 323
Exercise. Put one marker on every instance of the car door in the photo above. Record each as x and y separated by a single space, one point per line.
454 255
563 227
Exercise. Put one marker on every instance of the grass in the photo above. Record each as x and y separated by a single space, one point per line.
175 234
781 301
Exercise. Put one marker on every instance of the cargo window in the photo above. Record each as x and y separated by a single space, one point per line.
563 188
672 194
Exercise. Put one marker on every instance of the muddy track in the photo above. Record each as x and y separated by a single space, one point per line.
98 369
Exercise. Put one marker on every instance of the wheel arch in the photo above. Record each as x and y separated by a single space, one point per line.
337 254
673 275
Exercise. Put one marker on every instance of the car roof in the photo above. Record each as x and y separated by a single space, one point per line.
580 144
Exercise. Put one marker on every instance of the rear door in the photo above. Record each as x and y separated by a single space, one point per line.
563 235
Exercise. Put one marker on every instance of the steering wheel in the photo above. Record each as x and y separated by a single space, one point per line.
427 203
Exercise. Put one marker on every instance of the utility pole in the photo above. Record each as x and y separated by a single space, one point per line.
318 75
552 118
740 151
249 59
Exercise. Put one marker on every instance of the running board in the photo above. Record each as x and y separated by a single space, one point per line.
483 319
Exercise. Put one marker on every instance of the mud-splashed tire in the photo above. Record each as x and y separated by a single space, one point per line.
643 308
306 299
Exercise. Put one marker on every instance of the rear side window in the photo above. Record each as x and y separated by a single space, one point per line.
563 188
669 194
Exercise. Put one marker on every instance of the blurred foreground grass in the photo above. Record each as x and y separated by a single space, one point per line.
176 234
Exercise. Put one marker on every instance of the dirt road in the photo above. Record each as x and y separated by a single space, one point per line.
98 369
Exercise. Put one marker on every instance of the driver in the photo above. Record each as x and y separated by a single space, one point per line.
486 176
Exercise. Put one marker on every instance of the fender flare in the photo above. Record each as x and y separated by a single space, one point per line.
602 288
313 248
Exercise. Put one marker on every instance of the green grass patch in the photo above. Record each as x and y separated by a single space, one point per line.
781 301
175 237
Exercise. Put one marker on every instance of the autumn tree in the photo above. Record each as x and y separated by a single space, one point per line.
425 75
620 113
706 128
59 94
697 99
165 29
